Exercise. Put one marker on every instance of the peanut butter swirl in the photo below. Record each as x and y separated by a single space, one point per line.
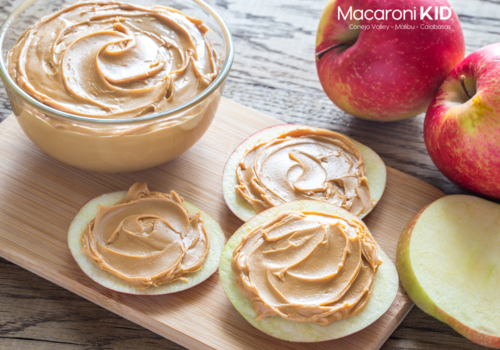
307 267
305 163
148 238
108 59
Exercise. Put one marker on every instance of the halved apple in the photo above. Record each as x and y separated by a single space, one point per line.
108 280
374 165
448 259
384 290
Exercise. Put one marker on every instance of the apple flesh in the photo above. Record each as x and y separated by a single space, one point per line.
89 211
462 126
375 169
385 74
449 264
384 290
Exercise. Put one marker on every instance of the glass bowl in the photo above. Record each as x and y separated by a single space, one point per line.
115 145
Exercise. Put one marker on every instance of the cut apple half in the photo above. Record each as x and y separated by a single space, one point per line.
448 258
384 289
374 166
88 213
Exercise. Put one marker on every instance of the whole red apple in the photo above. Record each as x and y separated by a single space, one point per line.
462 124
388 68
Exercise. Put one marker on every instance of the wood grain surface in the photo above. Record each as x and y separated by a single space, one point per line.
274 72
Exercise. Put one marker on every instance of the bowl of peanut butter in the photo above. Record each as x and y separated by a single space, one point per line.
115 86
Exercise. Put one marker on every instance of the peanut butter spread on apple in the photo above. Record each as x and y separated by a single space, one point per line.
148 238
108 59
307 267
305 163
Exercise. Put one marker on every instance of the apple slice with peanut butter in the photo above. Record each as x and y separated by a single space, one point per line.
307 271
145 242
291 162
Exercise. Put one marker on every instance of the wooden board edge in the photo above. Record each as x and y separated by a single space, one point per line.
396 321
432 188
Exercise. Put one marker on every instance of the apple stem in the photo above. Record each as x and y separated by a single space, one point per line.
462 81
320 54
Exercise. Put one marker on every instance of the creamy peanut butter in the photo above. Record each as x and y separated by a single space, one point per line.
108 59
307 267
305 164
148 238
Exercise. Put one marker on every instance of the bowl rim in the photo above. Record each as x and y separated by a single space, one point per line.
221 77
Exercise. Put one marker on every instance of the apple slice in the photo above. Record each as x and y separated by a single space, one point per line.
89 211
384 290
374 165
448 258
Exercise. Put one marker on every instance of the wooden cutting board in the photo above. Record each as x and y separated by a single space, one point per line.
40 196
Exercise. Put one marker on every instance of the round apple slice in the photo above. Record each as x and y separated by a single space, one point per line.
384 290
374 165
449 263
89 211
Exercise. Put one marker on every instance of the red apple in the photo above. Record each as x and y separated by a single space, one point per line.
462 125
388 73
